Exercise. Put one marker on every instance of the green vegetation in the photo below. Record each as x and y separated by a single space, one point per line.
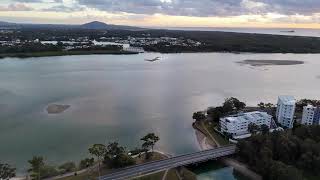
149 140
112 156
304 102
222 140
198 116
115 156
32 49
62 53
6 171
213 114
210 41
237 42
186 174
98 150
85 163
155 176
67 167
284 155
231 105
263 105
37 165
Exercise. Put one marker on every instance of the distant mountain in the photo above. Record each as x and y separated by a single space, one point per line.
103 26
95 25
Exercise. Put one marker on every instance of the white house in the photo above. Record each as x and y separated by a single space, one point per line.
237 125
311 115
285 110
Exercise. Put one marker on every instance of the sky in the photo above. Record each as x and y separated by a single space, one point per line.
167 13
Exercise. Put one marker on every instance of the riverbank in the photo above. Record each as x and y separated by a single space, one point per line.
204 135
63 53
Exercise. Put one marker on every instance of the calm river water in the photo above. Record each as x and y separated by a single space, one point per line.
122 97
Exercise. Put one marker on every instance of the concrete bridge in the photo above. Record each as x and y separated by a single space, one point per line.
161 165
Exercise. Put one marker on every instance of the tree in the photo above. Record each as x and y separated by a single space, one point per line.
215 113
261 105
253 128
116 156
264 129
269 105
232 104
6 171
198 116
149 141
99 151
37 163
113 149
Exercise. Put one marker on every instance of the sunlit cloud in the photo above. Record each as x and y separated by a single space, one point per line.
167 13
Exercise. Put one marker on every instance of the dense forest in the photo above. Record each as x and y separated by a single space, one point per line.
293 155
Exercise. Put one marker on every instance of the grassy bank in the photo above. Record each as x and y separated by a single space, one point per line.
63 53
210 126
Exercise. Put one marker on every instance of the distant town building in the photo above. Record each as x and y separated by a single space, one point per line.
285 110
134 49
237 125
311 115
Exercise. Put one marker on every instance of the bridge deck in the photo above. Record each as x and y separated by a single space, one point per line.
169 163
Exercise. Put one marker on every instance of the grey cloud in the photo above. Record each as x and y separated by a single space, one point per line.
206 7
63 8
170 7
290 7
16 7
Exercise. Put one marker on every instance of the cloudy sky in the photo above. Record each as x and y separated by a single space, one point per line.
167 13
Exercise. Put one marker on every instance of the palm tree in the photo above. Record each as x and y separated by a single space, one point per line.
36 164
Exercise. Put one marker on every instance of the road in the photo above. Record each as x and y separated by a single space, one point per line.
161 165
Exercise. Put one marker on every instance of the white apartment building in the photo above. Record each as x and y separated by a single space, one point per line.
285 111
237 125
310 115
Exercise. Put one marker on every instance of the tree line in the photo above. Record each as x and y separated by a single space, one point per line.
230 105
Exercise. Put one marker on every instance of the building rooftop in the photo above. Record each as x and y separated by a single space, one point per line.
287 100
249 116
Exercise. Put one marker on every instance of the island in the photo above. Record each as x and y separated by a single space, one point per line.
270 62
57 108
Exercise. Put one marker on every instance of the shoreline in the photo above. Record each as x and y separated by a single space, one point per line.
63 53
75 53
231 162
